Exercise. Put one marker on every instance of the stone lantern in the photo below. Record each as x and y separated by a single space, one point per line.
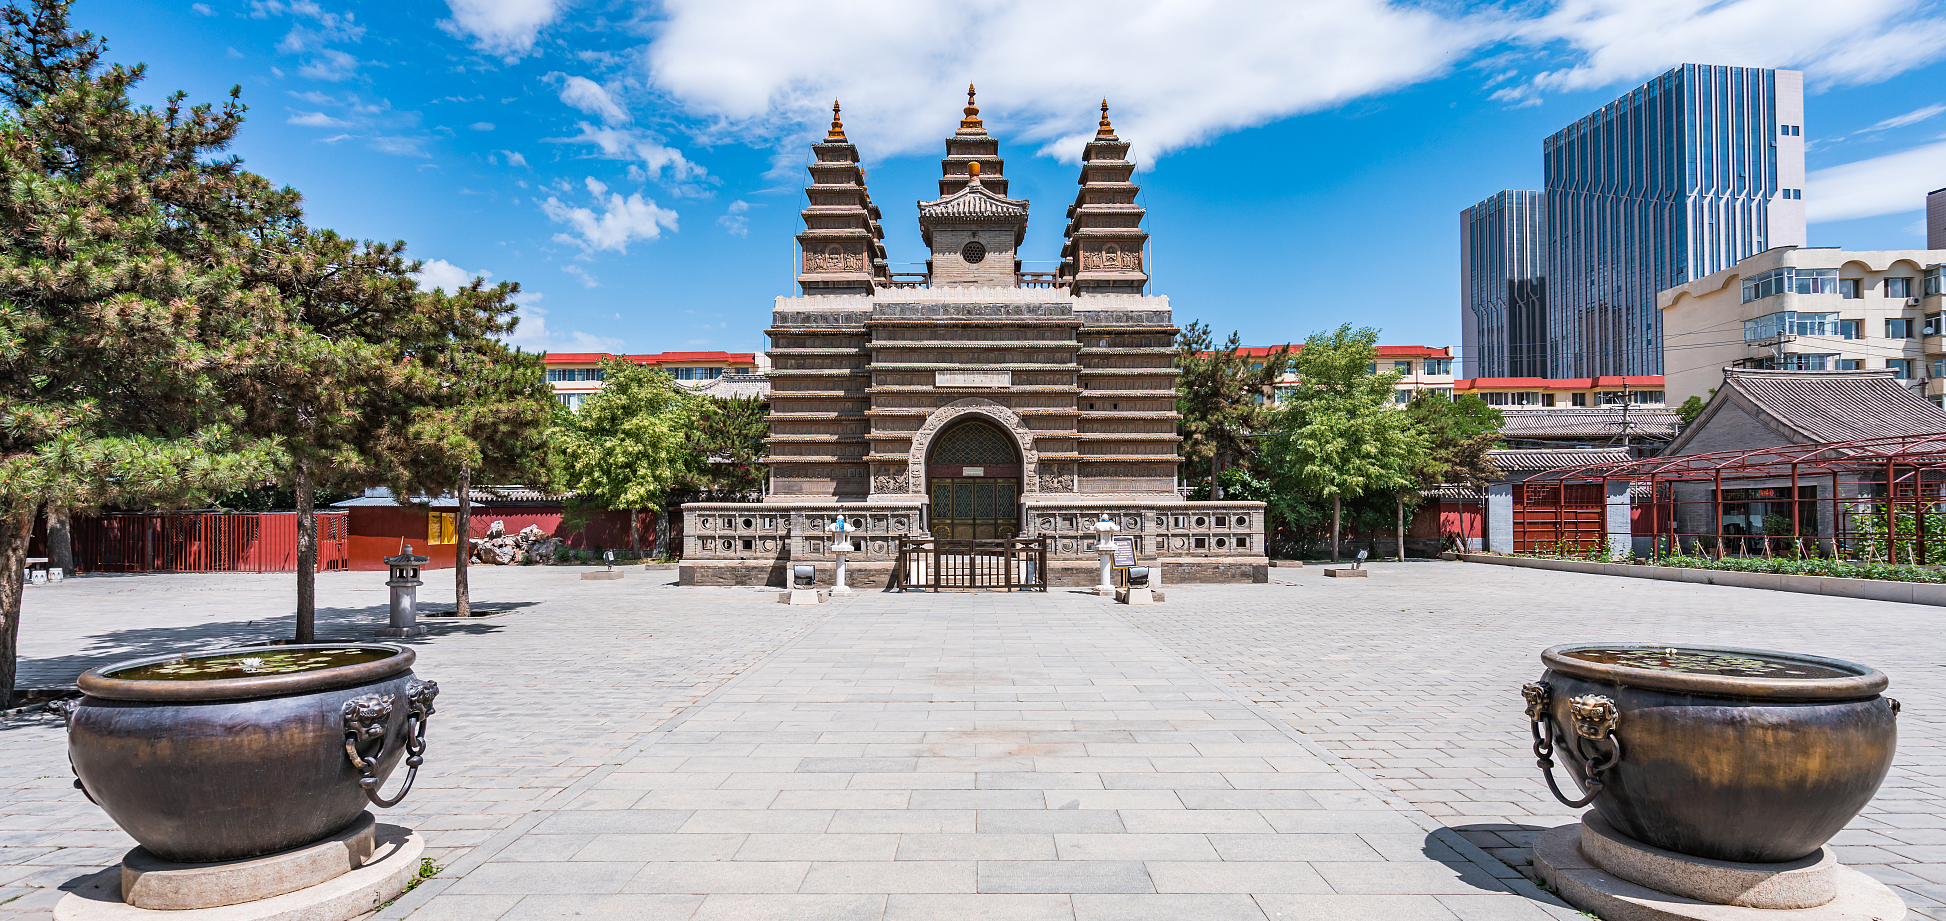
841 529
405 584
1105 545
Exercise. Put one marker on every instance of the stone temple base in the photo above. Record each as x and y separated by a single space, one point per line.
344 876
1061 573
1599 870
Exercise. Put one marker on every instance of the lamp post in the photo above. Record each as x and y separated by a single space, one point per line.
1105 545
405 584
841 528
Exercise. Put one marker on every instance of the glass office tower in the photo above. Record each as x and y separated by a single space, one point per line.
1682 177
1503 286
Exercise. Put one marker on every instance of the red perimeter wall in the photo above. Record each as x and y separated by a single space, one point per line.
378 530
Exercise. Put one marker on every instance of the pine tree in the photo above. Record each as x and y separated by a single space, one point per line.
1223 398
122 234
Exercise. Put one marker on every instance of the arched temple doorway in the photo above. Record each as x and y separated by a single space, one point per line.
973 477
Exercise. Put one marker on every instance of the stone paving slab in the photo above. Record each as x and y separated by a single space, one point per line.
1413 677
975 756
531 701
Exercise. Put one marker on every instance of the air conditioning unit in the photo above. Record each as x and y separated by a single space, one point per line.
1912 302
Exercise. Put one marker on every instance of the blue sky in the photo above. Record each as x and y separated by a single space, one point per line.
638 167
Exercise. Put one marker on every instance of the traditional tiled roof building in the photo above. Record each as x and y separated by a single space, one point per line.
976 400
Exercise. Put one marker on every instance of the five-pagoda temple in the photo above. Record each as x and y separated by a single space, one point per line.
973 400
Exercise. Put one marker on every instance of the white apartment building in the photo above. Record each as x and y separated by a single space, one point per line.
1809 309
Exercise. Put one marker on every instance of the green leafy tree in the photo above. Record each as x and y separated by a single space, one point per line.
1458 432
487 416
122 230
1693 407
1224 398
629 444
729 441
1339 436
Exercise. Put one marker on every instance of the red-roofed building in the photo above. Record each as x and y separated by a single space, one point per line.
1422 367
1589 392
574 375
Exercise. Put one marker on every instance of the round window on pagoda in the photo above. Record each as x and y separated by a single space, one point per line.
973 252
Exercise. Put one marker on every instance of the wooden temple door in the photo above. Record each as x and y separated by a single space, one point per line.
973 477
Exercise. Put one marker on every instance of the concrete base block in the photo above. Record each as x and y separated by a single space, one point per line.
845 592
1135 596
414 630
149 881
1804 883
802 596
394 862
1108 592
1347 573
1560 862
1287 564
602 576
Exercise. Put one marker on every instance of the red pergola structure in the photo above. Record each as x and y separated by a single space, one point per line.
1785 500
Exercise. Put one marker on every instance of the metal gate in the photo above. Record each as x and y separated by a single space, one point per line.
1015 564
204 542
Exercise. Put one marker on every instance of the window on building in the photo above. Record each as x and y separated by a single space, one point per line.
1790 323
1851 364
1790 280
571 400
1898 287
1851 329
1372 368
1900 328
1799 362
1440 366
1401 396
1547 399
1904 366
1403 367
698 374
1580 399
1851 289
576 374
1256 366
1933 325
1936 280
1938 368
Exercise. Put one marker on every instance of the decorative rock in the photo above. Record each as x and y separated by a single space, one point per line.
149 881
1347 573
1560 862
497 529
358 892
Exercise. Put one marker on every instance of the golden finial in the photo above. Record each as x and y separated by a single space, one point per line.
973 171
1107 131
837 135
972 119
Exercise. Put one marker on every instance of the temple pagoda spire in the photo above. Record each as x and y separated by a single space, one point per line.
842 247
973 229
1105 248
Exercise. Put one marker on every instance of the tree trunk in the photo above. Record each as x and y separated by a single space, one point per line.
307 555
463 551
1337 507
1401 529
15 528
635 531
665 533
60 540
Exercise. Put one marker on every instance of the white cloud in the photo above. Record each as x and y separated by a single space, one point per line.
589 96
733 219
533 334
632 144
1626 41
438 273
331 65
401 146
202 9
587 280
622 220
481 126
1891 184
1178 71
1910 118
316 120
503 27
515 159
596 187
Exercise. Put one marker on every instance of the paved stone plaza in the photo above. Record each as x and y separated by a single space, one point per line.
1295 750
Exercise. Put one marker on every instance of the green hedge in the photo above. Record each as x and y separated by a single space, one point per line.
1842 569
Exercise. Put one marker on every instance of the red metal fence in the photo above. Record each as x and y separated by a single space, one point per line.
204 542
